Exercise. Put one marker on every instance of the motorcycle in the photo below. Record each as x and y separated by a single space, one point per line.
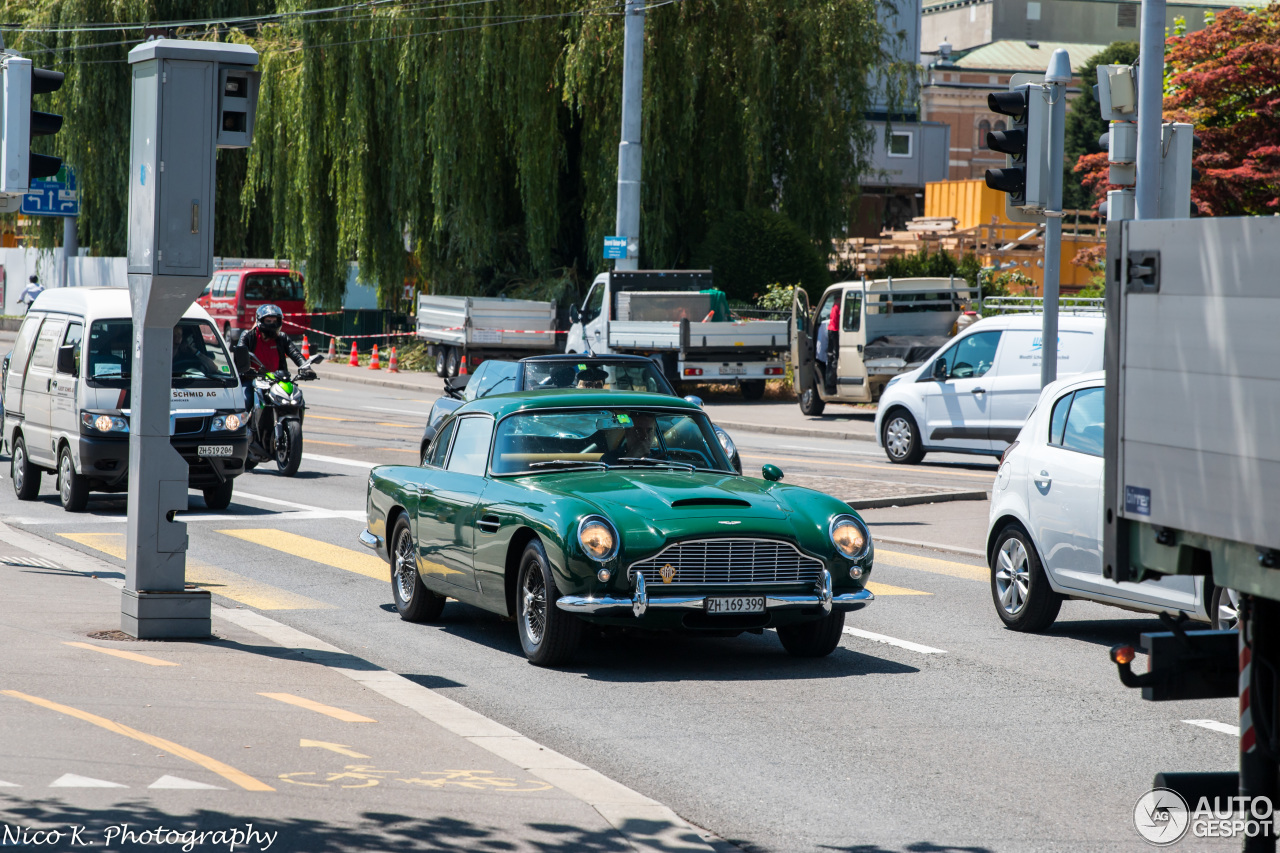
275 424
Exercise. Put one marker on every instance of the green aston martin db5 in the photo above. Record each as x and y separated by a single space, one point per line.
562 507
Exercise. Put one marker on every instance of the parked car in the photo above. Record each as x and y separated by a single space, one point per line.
975 395
615 508
232 297
561 371
66 398
1044 537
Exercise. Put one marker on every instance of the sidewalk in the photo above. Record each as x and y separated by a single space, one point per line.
264 736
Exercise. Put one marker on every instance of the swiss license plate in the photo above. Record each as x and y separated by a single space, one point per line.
214 450
728 370
736 604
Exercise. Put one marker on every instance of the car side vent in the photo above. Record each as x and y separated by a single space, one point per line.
710 502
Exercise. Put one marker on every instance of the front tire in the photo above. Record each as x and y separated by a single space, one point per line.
73 488
752 389
414 602
810 403
1019 587
1225 609
26 477
219 496
289 448
815 639
548 635
901 438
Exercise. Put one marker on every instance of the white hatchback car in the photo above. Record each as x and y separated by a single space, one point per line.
975 394
1044 535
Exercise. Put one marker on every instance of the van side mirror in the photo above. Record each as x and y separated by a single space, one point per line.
940 370
240 358
574 314
67 360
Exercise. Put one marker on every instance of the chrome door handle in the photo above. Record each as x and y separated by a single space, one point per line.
979 390
489 524
1044 479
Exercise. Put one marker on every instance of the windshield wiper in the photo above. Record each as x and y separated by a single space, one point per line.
686 466
569 463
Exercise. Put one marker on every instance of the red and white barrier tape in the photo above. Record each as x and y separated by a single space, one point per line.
509 331
314 314
348 337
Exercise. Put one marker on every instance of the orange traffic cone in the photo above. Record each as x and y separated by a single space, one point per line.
306 348
333 349
393 366
355 360
374 364
462 366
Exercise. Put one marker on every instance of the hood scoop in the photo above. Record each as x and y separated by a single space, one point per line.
704 502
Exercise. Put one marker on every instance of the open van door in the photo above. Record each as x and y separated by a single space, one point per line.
802 341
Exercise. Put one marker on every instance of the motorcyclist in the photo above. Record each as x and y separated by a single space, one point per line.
266 342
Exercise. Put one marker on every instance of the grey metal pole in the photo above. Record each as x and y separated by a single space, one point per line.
628 222
1056 79
70 247
1150 108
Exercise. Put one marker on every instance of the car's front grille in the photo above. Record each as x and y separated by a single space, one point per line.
187 426
728 561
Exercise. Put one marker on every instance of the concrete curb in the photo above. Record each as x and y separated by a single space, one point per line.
809 432
915 500
380 381
931 546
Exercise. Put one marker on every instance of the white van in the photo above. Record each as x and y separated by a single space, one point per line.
66 398
974 395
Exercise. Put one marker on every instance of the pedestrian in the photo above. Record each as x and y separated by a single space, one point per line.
30 292
833 349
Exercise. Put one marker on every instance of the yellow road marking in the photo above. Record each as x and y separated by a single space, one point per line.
247 591
406 426
325 418
822 463
886 589
120 653
226 771
312 549
328 710
339 748
932 564
398 450
310 440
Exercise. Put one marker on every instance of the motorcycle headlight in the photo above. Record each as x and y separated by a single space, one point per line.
597 538
726 443
850 536
229 422
103 423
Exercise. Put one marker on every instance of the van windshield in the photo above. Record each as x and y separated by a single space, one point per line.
273 287
199 358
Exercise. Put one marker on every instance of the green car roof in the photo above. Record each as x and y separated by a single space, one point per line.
501 405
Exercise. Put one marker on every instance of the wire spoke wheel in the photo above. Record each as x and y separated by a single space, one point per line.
533 605
1013 577
406 566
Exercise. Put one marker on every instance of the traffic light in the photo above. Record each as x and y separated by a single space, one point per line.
21 123
1025 177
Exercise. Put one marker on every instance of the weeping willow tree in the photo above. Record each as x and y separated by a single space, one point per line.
474 144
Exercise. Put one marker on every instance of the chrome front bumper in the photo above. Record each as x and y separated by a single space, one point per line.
368 540
640 601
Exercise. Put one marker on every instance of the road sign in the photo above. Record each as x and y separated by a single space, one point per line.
56 196
615 248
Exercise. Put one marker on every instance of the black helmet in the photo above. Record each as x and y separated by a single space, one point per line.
270 318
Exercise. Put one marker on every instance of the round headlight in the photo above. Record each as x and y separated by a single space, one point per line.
849 536
726 443
102 423
232 422
597 538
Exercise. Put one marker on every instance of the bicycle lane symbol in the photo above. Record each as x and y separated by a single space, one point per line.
368 776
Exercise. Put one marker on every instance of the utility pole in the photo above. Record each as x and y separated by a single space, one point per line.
628 221
1150 108
70 247
1057 77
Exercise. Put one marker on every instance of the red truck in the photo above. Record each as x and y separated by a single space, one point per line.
232 296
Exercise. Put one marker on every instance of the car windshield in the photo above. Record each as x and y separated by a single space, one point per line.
608 375
199 358
536 442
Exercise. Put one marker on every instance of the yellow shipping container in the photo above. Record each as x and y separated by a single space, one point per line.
970 202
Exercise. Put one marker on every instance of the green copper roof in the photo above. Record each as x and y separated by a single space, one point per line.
1021 56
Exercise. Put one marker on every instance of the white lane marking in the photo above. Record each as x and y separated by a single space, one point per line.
893 641
843 451
4 784
338 460
397 411
1215 726
178 782
71 780
294 504
220 517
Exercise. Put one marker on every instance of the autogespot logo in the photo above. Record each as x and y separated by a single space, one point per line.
1161 816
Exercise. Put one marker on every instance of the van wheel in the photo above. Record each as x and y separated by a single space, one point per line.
26 477
810 403
219 496
901 438
752 389
73 488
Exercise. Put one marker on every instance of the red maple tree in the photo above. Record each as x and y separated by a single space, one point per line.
1224 79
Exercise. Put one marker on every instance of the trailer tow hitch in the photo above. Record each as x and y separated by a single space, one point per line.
1182 664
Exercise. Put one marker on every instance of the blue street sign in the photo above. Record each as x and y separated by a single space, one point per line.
615 248
56 196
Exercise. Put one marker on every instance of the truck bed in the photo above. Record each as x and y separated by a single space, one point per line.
487 321
733 337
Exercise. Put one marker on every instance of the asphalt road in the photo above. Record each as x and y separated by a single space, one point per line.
942 732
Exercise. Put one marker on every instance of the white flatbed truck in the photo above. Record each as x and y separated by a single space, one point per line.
466 330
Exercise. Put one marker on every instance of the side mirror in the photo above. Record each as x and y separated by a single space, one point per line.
940 370
772 473
67 360
240 358
695 399
574 314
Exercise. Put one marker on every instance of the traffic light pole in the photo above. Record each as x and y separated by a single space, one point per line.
1150 109
1056 79
628 222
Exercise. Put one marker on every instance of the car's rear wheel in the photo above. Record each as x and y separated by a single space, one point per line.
414 602
1019 587
1225 609
815 639
901 438
548 635
26 477
810 403
73 488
